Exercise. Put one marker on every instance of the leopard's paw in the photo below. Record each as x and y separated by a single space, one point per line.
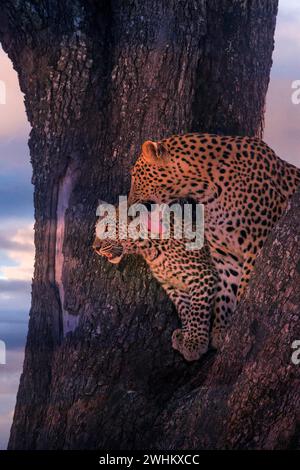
190 349
177 338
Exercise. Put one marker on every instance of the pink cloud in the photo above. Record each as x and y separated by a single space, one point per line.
20 250
282 121
12 114
9 381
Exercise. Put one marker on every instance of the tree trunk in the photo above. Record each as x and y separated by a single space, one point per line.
100 78
250 397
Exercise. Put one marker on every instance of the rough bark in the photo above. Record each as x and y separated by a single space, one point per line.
100 78
250 397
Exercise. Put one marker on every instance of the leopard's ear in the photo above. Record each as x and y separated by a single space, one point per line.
100 202
155 153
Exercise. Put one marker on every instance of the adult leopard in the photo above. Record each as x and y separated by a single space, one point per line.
243 184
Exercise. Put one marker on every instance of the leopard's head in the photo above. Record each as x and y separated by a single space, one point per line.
153 175
114 237
107 244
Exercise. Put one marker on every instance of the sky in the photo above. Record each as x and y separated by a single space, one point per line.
16 239
282 133
282 119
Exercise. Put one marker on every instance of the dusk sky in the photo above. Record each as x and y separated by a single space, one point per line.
282 133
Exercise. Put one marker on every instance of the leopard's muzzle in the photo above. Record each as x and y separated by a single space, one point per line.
113 253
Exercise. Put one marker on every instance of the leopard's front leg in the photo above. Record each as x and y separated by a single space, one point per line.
229 273
181 300
194 308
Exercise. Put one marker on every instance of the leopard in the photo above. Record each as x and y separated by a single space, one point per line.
244 186
188 277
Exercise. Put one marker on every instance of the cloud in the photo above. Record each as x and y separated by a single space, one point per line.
12 114
286 56
15 156
289 7
9 382
10 302
7 286
19 248
16 196
13 334
6 244
14 316
10 372
282 121
5 424
17 234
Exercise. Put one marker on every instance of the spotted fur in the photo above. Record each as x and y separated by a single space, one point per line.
244 186
189 279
